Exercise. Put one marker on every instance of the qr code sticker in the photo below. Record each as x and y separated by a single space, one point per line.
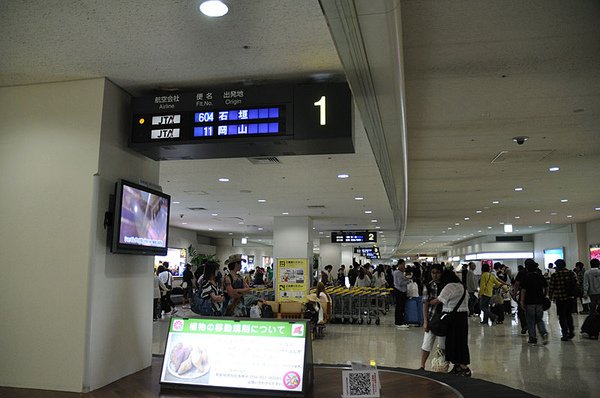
360 384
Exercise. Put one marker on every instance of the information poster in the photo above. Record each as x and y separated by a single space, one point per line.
236 353
292 279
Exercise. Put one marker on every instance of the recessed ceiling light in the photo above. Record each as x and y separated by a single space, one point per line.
553 214
183 223
501 222
456 223
449 228
231 233
564 200
489 227
518 189
214 214
224 179
478 212
210 229
320 233
496 202
443 232
241 223
285 213
569 216
547 222
359 198
176 203
262 200
480 231
342 176
377 227
373 220
517 217
368 211
467 218
537 210
597 209
554 168
260 229
214 8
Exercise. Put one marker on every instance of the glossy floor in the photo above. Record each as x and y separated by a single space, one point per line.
499 353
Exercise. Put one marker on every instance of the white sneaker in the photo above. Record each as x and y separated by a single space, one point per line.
402 327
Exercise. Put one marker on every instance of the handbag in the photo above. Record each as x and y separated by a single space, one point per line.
441 321
202 306
546 304
438 362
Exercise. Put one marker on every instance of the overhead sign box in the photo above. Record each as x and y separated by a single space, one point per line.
247 121
354 237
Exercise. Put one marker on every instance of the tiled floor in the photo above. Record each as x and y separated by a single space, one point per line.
499 353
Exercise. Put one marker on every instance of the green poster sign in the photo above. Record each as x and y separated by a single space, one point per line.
239 327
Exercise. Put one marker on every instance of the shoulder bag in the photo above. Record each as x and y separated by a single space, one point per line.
440 322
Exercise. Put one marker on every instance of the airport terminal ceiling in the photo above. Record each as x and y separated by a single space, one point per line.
466 90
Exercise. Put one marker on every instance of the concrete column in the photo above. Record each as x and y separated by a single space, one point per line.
331 253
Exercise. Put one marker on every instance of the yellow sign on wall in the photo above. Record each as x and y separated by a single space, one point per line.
292 279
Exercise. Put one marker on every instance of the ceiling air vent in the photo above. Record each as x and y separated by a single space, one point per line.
316 206
264 160
196 208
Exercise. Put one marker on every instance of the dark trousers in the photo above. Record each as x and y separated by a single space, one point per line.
594 303
157 308
472 301
400 304
522 318
563 310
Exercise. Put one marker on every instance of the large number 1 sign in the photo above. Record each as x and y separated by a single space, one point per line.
322 112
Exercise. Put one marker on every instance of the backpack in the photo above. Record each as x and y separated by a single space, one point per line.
267 311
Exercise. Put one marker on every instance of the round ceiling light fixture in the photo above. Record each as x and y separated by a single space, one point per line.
213 8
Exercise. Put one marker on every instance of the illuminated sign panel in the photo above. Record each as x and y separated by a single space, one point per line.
228 354
273 120
354 237
368 252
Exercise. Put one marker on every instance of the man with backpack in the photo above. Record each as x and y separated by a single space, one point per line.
533 289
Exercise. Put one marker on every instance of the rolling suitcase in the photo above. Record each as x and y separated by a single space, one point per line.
591 325
413 311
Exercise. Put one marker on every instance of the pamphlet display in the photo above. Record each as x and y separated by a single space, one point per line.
263 357
292 279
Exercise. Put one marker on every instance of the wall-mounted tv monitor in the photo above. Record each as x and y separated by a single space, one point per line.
595 251
141 220
551 255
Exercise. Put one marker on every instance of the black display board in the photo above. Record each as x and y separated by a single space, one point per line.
354 237
247 121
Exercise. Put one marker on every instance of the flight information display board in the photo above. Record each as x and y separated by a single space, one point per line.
368 252
354 237
287 119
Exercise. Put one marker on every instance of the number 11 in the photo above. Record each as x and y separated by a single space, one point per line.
322 115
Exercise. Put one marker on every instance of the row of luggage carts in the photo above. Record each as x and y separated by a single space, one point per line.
359 304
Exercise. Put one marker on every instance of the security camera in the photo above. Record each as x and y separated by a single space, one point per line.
181 216
520 139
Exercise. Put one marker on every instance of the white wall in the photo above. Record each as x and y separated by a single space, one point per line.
49 140
121 286
564 236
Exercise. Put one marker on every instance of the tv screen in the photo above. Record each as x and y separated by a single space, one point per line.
595 251
141 220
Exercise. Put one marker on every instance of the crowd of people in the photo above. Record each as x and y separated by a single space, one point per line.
211 290
487 296
491 295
